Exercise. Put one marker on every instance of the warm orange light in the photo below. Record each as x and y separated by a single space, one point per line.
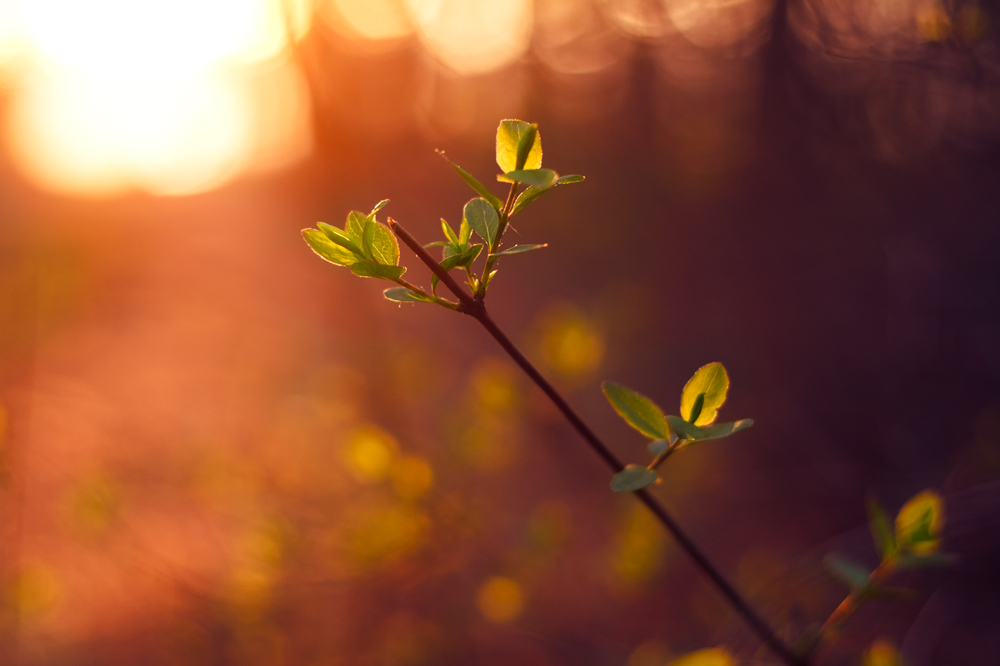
155 95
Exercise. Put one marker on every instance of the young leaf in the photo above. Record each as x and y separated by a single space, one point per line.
462 259
518 249
379 206
632 478
568 180
846 571
404 295
638 411
465 231
526 198
686 430
385 249
327 249
711 380
524 145
489 279
696 408
368 237
541 179
339 237
474 184
449 233
878 523
716 430
373 270
355 227
483 219
657 447
919 523
509 135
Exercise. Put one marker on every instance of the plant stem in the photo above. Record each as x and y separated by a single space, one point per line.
851 604
477 309
417 290
501 227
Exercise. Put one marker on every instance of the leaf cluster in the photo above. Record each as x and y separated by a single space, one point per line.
364 244
701 399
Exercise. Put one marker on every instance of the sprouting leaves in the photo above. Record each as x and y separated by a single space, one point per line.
541 179
919 523
475 184
638 411
519 146
632 478
701 398
364 244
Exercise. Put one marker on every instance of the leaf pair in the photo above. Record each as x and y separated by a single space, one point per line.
916 536
364 244
458 252
701 399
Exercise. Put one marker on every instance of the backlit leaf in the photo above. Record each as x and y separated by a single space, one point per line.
632 478
385 249
475 184
327 249
541 179
716 430
379 206
568 180
464 231
355 227
483 219
878 523
339 237
449 233
373 270
686 430
518 249
404 295
509 135
711 380
638 411
919 522
462 259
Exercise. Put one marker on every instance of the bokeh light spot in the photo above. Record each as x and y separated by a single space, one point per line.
370 452
500 599
412 477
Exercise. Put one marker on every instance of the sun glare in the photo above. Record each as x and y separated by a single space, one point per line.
161 96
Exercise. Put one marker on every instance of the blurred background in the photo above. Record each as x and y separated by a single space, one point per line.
216 448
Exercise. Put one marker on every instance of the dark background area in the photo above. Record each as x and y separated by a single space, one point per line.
185 385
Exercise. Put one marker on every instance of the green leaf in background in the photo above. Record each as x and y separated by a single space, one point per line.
449 233
379 206
355 227
327 249
373 270
385 249
632 478
686 430
339 237
657 447
404 295
541 179
509 135
919 523
847 572
878 523
483 219
518 249
638 411
711 380
479 188
716 430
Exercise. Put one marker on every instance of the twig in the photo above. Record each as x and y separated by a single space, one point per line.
477 310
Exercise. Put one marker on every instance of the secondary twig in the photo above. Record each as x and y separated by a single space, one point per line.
476 309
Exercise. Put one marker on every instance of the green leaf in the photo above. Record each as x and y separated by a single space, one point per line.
355 227
509 135
373 270
489 278
475 184
847 572
385 249
541 179
404 295
657 447
711 380
569 180
699 402
368 238
327 249
449 233
919 522
715 430
686 430
464 231
526 198
638 411
632 478
462 259
878 523
379 206
340 238
518 249
483 219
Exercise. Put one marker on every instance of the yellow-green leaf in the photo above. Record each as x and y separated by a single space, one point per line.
632 478
327 249
638 411
713 381
509 135
385 249
919 523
